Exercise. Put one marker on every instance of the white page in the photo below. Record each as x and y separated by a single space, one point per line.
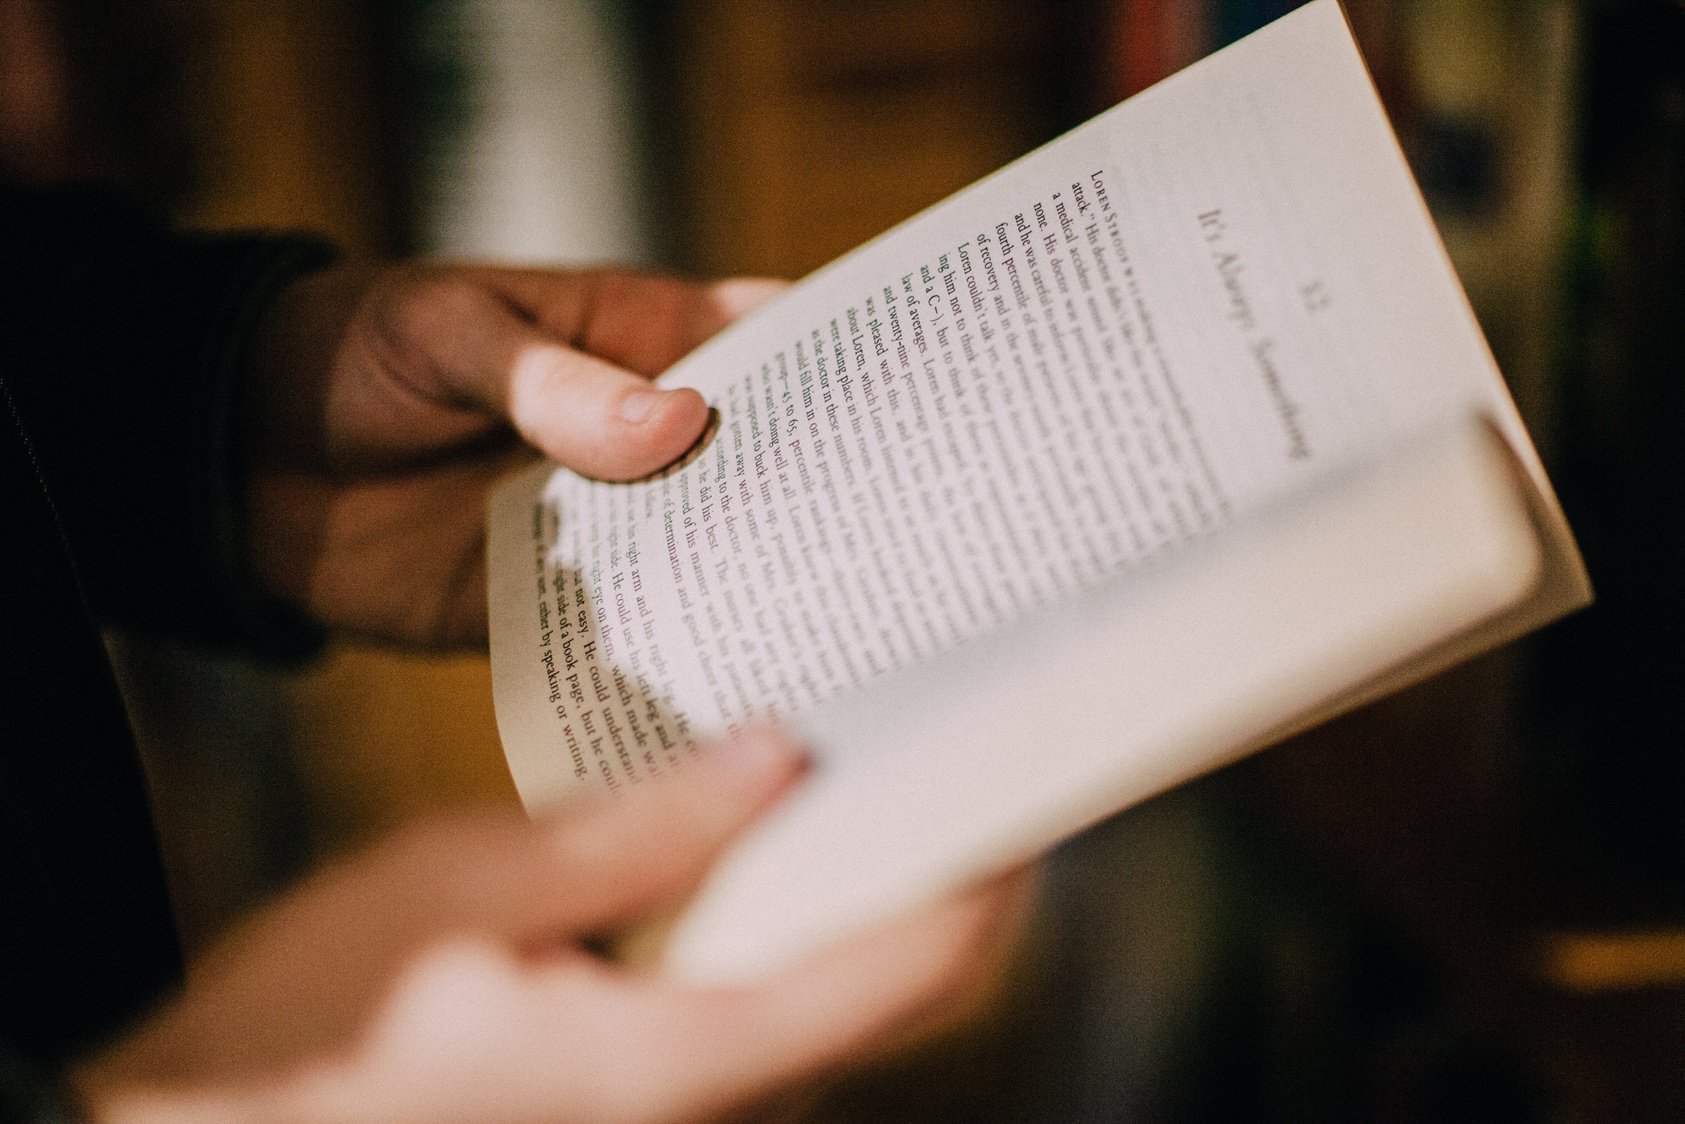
994 752
1208 297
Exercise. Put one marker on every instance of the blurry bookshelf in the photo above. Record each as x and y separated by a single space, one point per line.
797 131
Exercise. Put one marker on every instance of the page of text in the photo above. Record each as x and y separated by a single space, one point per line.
1137 334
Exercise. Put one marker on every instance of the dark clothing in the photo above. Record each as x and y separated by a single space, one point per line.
120 346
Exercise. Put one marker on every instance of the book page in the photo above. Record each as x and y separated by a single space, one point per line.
993 752
1210 297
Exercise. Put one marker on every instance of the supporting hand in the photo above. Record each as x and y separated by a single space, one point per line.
447 975
385 403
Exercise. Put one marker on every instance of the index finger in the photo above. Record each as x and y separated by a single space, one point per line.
704 1051
644 322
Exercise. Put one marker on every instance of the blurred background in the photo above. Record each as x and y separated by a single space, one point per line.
1466 903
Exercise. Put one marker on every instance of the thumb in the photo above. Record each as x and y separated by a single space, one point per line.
459 339
588 405
594 417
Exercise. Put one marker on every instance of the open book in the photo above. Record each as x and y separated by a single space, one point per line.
1167 439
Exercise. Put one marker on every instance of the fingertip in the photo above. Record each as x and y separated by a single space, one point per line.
598 419
736 296
646 847
758 758
658 427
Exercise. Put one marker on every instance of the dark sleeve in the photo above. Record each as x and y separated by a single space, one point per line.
124 345
29 1096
